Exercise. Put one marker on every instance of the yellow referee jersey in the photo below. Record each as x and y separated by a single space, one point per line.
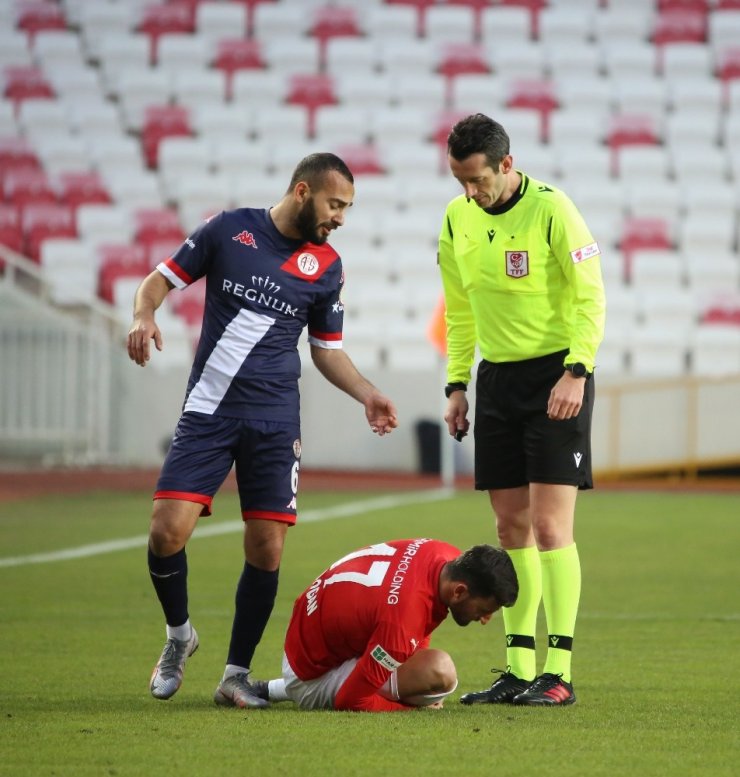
520 280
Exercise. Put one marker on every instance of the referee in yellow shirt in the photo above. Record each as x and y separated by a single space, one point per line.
522 281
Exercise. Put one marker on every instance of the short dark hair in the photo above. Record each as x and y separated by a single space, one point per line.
487 571
478 134
313 168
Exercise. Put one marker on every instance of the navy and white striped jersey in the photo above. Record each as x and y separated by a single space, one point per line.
262 289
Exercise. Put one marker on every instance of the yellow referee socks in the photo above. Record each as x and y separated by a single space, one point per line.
561 591
520 621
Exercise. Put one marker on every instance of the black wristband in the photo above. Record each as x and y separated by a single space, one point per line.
450 387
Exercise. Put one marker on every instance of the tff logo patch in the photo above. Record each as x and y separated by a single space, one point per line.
517 264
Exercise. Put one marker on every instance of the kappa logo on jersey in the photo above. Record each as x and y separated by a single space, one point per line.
310 261
190 243
245 238
581 254
517 264
386 661
297 449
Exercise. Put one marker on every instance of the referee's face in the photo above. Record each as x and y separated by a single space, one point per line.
485 185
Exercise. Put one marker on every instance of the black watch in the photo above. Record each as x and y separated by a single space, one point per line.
578 369
450 387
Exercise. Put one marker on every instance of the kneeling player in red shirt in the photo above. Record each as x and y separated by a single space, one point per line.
359 635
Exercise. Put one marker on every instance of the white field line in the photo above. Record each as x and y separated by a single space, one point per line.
229 527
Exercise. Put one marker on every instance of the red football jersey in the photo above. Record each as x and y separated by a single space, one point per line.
378 604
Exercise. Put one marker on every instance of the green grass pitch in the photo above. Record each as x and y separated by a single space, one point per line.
656 654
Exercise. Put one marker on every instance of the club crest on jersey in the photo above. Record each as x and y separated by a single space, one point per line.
517 264
307 263
297 449
245 238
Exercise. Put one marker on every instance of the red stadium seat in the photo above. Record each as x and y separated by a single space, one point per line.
162 121
456 59
333 22
77 189
233 54
537 95
43 221
640 234
362 159
311 91
629 130
24 83
120 260
679 26
28 185
34 15
16 153
157 224
157 20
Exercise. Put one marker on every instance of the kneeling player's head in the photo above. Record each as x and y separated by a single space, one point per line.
487 572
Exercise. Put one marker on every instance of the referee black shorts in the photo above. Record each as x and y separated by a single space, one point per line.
515 442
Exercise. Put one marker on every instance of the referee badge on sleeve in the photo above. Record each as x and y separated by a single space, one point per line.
517 264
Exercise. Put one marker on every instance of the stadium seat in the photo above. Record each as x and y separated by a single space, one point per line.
422 91
575 23
153 225
139 88
714 349
516 60
538 95
361 158
331 22
342 125
660 269
667 306
234 54
444 24
162 121
352 56
79 188
658 352
177 51
119 260
563 60
275 20
644 161
27 186
614 26
640 234
216 22
508 22
156 20
43 221
57 48
534 8
33 17
420 8
70 270
99 223
312 92
659 199
456 60
678 26
199 196
25 83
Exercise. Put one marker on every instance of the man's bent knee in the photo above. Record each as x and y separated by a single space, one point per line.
172 524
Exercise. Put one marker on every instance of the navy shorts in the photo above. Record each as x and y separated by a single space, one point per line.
515 442
266 455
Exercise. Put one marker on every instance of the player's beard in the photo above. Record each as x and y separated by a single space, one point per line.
306 224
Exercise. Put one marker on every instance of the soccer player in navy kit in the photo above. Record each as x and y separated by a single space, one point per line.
269 273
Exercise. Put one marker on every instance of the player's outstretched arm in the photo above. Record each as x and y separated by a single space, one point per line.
338 369
149 296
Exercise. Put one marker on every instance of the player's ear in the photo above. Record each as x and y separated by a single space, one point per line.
302 191
460 592
506 164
